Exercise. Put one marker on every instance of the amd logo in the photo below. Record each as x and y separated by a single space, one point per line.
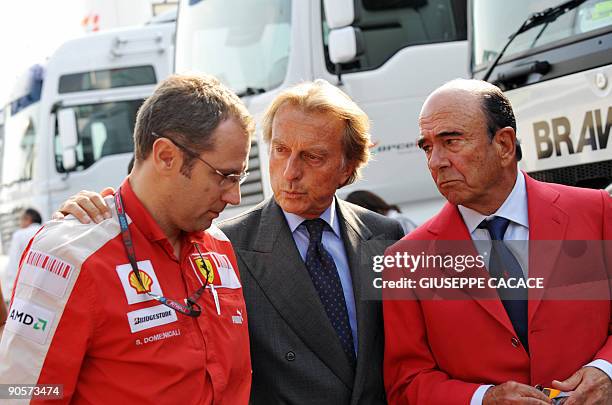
22 317
28 320
594 133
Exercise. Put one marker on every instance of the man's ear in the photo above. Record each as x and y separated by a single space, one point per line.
505 140
166 156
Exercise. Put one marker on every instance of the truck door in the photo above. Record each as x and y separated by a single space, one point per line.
405 49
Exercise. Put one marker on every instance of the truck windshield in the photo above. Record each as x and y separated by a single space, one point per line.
494 20
103 129
244 43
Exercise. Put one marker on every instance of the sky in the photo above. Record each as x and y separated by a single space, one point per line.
30 30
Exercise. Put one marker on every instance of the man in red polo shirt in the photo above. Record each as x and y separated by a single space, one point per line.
146 306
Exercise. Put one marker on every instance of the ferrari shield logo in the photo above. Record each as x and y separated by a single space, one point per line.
216 268
206 268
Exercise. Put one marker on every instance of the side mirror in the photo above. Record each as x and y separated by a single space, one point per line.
67 127
344 44
339 13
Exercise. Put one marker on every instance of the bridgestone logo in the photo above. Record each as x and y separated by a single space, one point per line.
150 317
141 319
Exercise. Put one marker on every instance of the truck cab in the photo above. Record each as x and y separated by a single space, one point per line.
387 55
69 124
557 74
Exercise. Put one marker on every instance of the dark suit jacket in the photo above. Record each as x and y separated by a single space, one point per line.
296 355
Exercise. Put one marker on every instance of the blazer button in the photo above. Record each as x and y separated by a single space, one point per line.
515 342
290 356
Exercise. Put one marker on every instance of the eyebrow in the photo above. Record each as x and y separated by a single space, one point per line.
444 134
316 149
233 170
448 133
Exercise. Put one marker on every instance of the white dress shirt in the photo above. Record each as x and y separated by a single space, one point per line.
332 242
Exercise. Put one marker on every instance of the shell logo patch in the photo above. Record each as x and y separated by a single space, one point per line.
134 292
147 282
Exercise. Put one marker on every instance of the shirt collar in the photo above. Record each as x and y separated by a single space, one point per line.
329 216
139 215
514 207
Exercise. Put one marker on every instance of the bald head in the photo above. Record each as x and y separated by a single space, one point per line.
495 108
470 85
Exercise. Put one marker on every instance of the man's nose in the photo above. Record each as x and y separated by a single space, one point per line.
438 159
293 168
231 195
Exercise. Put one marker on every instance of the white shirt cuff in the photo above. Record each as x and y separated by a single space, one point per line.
479 394
603 365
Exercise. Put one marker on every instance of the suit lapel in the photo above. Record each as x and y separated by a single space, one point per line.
276 265
547 228
448 226
354 235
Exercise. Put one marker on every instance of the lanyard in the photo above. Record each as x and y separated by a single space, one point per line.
191 307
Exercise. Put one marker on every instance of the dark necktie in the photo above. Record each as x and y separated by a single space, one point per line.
503 264
326 280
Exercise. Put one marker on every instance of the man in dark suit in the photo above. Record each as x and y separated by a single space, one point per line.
306 349
303 256
496 350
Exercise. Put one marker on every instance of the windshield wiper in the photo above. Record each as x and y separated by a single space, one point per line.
543 17
251 91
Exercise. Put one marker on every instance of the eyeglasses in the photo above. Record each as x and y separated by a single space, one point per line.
226 179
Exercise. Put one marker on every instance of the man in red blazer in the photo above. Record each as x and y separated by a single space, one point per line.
484 351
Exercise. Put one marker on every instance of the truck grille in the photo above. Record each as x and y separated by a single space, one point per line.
252 189
591 175
9 222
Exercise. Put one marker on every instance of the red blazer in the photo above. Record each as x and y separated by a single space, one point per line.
439 352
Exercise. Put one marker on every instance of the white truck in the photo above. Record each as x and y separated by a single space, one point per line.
557 73
69 124
388 55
